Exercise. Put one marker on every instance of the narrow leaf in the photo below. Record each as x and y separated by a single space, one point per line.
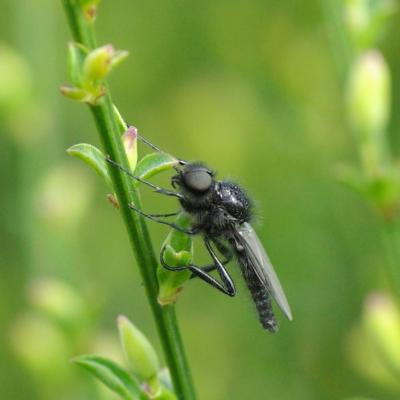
76 57
122 126
93 157
112 375
154 163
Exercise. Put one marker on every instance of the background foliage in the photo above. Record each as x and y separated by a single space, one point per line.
253 88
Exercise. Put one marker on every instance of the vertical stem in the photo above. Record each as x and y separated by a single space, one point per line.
342 50
391 240
374 153
137 231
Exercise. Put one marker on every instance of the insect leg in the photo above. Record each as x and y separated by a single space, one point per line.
226 287
209 268
223 273
165 215
229 290
225 251
151 145
154 147
156 188
170 224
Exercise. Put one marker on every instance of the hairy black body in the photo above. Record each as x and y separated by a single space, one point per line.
218 211
221 212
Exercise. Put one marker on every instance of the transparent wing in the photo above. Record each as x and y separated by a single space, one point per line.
263 267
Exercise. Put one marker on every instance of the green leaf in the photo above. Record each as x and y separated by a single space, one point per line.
154 163
180 241
178 252
358 398
112 375
120 121
93 157
76 93
76 57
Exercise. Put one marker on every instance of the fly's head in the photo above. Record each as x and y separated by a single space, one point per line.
196 182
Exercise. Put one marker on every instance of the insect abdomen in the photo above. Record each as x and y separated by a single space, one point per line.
260 296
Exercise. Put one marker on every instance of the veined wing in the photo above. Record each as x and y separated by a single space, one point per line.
263 267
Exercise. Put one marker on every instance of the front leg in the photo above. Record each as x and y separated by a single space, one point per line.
155 218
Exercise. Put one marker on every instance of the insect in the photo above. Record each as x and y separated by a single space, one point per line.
221 212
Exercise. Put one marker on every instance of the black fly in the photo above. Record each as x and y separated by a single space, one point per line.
221 212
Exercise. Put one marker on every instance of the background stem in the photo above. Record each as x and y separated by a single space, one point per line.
137 231
391 240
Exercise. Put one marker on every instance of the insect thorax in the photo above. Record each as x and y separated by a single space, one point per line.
234 200
216 211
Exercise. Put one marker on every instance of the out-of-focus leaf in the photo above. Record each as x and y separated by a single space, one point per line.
112 375
93 157
382 190
358 398
154 163
367 21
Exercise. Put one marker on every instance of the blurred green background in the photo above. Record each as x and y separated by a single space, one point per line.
253 88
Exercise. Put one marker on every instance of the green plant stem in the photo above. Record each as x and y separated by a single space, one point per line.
341 48
137 231
391 240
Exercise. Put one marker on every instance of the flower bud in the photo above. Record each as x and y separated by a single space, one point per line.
59 204
382 323
41 347
129 139
89 8
99 63
368 95
139 353
15 82
60 302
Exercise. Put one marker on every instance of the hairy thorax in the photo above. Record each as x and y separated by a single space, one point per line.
220 209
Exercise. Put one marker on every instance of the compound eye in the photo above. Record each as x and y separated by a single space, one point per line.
198 180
